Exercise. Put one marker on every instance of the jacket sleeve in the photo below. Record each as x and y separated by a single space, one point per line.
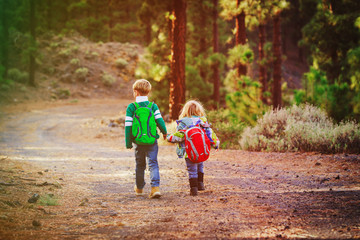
160 123
175 137
214 140
128 125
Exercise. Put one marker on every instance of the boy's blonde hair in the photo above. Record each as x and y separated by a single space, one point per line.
143 86
192 108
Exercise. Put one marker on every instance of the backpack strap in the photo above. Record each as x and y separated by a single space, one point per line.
150 105
136 105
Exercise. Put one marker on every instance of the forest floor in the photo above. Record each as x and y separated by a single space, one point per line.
72 154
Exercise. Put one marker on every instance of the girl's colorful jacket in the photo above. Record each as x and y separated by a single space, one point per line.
186 123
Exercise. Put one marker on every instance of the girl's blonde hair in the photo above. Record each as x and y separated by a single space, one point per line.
192 108
143 86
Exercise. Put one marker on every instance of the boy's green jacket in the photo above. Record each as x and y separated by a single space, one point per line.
143 102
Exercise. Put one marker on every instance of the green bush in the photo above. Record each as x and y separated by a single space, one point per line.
301 128
121 63
48 200
108 79
81 73
226 128
335 98
17 76
65 52
75 62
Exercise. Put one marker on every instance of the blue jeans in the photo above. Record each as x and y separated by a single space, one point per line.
194 168
151 152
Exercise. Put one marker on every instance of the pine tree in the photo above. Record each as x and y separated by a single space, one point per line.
177 82
277 61
215 66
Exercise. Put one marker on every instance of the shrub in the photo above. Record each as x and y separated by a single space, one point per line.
301 128
91 55
121 63
108 79
17 76
48 200
75 62
62 93
227 129
81 73
65 52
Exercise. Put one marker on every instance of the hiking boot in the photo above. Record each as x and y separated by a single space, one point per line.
138 192
155 192
201 186
193 186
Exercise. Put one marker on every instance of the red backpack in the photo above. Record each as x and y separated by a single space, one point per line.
197 144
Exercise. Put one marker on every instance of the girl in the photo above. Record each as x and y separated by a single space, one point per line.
193 114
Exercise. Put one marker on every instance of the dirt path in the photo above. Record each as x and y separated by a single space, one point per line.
68 152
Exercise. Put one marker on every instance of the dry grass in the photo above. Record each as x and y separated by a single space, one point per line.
301 128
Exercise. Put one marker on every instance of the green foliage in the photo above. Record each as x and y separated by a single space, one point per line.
65 52
155 67
75 62
16 75
330 34
244 103
353 59
227 128
48 200
240 54
62 94
81 73
334 98
108 79
121 63
301 128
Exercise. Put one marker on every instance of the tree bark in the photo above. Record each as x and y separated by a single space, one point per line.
202 40
177 81
240 37
32 43
277 62
215 67
262 70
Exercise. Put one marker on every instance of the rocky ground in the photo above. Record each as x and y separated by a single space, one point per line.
65 174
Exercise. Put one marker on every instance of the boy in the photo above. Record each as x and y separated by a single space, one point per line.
141 89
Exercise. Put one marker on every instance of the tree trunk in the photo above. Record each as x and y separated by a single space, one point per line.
262 70
202 40
32 43
240 36
277 62
215 67
5 45
177 81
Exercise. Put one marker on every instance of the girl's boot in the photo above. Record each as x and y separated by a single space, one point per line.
193 186
201 186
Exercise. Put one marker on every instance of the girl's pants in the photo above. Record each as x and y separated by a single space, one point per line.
194 168
151 152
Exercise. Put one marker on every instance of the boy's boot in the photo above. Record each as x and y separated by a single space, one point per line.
138 192
193 186
201 186
155 192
